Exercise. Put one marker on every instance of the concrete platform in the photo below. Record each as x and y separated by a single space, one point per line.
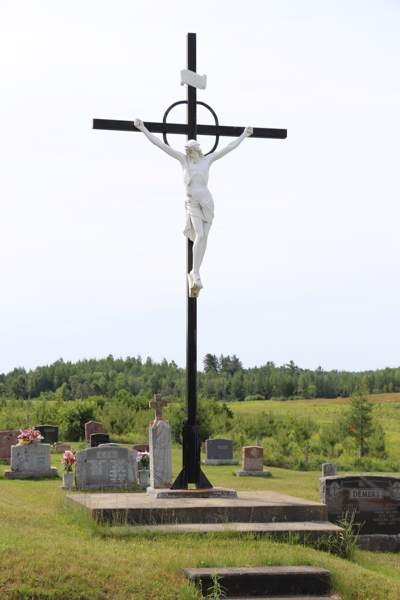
248 507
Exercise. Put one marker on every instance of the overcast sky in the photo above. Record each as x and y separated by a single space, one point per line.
303 254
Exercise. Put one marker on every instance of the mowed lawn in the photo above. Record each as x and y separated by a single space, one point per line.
51 552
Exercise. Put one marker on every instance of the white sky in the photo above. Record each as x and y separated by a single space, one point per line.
303 255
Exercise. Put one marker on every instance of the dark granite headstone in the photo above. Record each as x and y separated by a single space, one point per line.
98 438
219 448
49 433
373 499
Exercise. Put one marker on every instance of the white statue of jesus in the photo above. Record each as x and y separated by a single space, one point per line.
199 202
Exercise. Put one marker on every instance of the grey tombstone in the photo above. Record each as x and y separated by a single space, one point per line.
98 438
30 461
219 451
328 469
373 501
109 467
7 439
49 433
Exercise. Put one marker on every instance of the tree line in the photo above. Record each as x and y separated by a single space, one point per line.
223 378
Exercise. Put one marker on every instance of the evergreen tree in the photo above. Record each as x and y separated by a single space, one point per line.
360 419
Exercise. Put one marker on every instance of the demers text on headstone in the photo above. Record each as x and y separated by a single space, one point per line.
106 467
219 451
374 500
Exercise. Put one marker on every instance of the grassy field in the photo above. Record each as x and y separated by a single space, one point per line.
323 411
51 552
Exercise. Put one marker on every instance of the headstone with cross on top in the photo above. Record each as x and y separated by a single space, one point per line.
160 447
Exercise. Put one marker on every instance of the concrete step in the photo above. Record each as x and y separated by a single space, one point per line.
309 529
267 582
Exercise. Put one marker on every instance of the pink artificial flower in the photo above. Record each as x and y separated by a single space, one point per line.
68 454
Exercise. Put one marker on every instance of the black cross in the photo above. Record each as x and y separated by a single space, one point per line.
191 471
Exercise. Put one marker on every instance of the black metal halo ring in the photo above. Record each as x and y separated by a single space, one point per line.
197 102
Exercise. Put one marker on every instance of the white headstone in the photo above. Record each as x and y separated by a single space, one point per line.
160 447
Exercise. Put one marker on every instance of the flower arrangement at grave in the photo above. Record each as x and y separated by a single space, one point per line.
67 461
29 436
144 459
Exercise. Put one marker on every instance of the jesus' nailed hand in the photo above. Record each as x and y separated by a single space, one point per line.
199 203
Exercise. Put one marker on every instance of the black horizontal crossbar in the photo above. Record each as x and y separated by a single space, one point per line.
258 132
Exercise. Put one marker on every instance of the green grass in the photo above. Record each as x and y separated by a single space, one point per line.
51 552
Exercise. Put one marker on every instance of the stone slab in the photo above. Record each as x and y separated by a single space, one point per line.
34 474
242 473
192 493
106 467
219 461
374 500
248 507
264 580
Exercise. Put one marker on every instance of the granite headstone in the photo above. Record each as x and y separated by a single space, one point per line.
374 500
252 462
93 427
48 432
98 438
7 439
106 467
219 451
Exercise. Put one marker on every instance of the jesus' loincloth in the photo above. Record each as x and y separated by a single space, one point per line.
203 210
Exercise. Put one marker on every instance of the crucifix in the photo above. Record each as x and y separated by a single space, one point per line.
158 403
199 212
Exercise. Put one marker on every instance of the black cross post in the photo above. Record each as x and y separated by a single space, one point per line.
191 471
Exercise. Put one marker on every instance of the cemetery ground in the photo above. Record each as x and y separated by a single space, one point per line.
49 551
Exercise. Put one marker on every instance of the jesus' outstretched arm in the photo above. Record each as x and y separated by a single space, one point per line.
174 153
217 155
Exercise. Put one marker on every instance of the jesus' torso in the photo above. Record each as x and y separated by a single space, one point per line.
195 179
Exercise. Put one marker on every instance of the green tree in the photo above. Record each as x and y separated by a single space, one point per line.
210 363
74 416
360 419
